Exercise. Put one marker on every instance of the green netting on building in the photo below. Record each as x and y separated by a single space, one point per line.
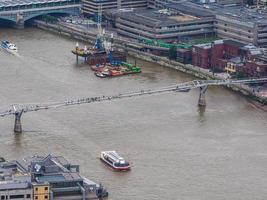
187 45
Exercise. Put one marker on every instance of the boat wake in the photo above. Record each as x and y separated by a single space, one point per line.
9 47
10 52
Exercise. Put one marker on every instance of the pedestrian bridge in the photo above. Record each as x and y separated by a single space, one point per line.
20 11
19 109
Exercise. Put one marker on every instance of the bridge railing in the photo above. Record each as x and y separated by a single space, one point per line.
18 108
35 6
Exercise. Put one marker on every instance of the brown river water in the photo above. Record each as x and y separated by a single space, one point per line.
177 152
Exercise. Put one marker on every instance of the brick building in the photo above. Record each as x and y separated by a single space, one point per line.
230 56
255 68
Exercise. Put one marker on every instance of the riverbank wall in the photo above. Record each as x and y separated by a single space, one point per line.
121 44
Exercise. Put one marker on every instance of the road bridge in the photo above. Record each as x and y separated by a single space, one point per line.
19 109
20 11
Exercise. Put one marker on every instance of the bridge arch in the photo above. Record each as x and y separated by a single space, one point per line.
8 19
37 14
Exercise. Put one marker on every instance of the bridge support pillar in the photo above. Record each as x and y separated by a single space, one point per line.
19 20
17 125
202 98
19 26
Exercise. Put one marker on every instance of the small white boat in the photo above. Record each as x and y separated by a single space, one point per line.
100 75
9 46
115 161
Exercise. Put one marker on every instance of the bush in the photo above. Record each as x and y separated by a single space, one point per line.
173 52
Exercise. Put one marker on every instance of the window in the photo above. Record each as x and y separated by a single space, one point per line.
46 188
36 197
20 196
46 196
225 30
28 196
36 189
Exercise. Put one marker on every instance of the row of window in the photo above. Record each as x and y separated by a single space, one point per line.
37 197
19 196
36 189
227 25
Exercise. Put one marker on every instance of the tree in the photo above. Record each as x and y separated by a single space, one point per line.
250 2
240 73
173 52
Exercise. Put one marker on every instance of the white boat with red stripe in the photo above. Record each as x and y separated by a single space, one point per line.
112 159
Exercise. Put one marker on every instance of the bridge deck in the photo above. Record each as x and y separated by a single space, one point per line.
181 87
13 5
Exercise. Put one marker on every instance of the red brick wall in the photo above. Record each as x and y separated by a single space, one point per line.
251 68
216 54
231 51
201 57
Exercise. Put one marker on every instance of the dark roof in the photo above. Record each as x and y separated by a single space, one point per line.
154 18
190 9
234 43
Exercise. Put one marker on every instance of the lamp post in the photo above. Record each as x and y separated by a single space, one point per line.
212 64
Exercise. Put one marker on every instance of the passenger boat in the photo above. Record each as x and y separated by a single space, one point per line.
100 75
112 159
9 46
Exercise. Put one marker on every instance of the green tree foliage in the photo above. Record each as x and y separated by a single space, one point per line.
239 74
173 52
250 2
50 19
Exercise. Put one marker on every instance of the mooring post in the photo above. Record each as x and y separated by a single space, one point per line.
77 48
202 99
17 125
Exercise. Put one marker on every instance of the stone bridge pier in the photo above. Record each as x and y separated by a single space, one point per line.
17 125
19 21
202 98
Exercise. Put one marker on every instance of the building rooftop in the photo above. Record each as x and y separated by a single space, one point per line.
235 12
234 43
190 9
62 177
44 169
11 177
160 18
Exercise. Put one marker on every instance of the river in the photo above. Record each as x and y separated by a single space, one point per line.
177 152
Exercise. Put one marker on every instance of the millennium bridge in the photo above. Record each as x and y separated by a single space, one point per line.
20 11
19 109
